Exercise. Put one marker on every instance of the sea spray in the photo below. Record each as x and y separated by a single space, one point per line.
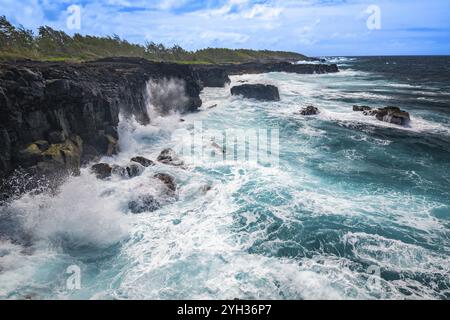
166 96
79 214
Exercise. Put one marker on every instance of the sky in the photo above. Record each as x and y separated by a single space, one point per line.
311 27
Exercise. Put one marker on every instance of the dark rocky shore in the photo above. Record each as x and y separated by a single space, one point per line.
55 117
255 68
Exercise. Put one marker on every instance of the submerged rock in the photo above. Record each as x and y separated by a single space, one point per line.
144 203
135 169
127 172
260 92
119 171
102 170
206 188
143 161
169 157
167 179
309 111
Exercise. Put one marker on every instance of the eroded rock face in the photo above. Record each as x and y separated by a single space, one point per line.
259 92
309 111
143 161
212 76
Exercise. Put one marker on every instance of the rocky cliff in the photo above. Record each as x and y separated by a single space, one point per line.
211 76
55 116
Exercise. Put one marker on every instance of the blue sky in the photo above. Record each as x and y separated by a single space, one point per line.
312 27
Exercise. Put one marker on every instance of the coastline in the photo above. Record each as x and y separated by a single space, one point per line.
59 116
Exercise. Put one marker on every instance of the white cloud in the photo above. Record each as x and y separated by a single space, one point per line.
244 9
263 12
218 36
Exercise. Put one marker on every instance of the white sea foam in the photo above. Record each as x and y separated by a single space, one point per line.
78 213
301 90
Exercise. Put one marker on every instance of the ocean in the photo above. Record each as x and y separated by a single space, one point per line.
352 208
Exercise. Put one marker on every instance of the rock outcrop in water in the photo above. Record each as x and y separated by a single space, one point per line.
168 181
392 115
147 202
169 157
143 161
309 111
260 92
144 203
102 170
361 108
56 116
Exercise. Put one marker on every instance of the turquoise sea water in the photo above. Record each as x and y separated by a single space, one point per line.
356 208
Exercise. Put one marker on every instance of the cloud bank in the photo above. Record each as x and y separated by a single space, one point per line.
313 27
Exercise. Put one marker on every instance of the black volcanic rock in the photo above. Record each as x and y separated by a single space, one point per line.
393 115
144 203
361 108
257 91
256 68
212 76
169 157
75 108
218 75
389 114
168 180
143 161
309 111
135 169
119 171
101 170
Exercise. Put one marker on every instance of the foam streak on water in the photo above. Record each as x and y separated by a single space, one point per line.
350 193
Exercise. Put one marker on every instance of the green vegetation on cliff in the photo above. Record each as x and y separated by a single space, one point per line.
49 44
